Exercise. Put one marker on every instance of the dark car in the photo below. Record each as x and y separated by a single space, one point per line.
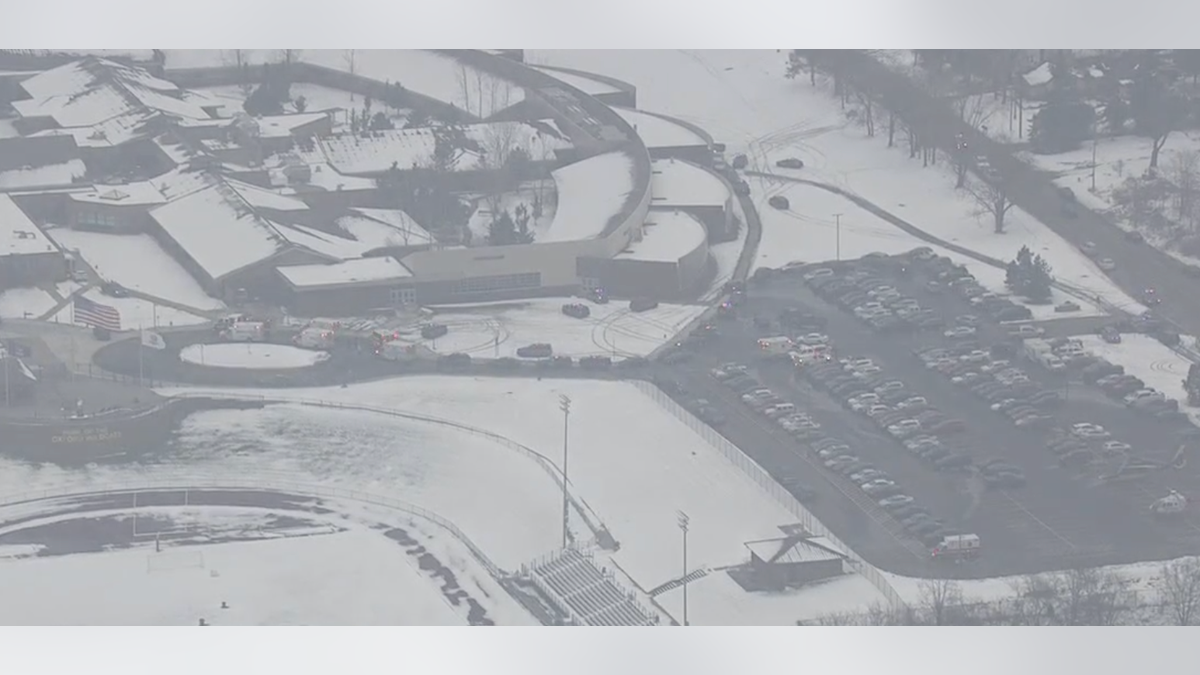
577 310
114 290
790 163
598 296
595 362
538 350
779 202
642 304
1134 237
433 331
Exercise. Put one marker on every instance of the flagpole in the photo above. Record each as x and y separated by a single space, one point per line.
141 346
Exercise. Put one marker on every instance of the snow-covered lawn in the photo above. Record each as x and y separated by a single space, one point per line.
135 313
357 577
1116 160
742 98
717 600
25 303
251 355
633 464
137 262
499 329
1154 363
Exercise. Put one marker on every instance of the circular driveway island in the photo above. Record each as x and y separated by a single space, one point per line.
251 356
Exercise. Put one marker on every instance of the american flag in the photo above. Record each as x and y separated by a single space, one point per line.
97 315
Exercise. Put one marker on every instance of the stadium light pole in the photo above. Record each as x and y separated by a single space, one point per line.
684 521
564 404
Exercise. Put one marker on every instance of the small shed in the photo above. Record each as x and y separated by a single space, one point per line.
793 561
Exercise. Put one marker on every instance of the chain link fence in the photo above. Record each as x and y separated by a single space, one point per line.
769 485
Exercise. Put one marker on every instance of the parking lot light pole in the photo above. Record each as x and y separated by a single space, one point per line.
564 404
684 521
837 227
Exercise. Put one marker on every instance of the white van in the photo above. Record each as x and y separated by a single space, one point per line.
245 331
314 338
780 410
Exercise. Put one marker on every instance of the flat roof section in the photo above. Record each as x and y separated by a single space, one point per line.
585 84
360 271
678 183
667 236
658 132
590 193
18 234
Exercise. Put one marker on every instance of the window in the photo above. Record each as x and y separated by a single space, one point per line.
506 282
96 220
402 296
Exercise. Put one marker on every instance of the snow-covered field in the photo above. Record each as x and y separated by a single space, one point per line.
499 329
251 355
632 464
25 303
1153 362
136 262
742 98
348 578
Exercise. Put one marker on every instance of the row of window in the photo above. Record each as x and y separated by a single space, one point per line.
504 282
98 220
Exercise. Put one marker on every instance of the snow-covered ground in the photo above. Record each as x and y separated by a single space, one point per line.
25 303
1116 160
742 98
725 256
136 262
251 355
1154 363
634 465
717 600
135 313
499 329
357 577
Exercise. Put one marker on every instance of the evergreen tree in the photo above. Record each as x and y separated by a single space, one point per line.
1038 283
502 231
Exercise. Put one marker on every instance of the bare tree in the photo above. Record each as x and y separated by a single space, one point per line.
288 56
1184 175
941 598
1093 597
891 129
1038 599
481 94
867 106
240 59
498 141
348 56
1179 585
973 109
991 200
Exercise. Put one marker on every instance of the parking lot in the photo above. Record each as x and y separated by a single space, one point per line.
1052 507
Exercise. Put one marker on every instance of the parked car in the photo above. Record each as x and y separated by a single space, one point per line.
642 304
577 310
779 202
433 331
114 290
1134 237
790 163
538 350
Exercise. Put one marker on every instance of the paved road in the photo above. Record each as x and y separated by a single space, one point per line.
1140 266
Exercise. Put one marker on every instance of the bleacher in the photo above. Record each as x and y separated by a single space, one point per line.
589 593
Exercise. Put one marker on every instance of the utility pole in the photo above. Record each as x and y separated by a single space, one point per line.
837 224
564 404
684 521
7 389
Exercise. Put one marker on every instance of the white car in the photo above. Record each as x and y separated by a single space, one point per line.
756 395
921 441
819 273
855 364
904 428
814 339
1090 431
878 410
1089 248
1117 446
1106 264
882 290
1144 395
977 356
877 483
867 372
912 403
995 366
863 403
959 331
1027 331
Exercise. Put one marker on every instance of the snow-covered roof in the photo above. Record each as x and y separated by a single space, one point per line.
381 228
179 183
657 132
87 92
425 72
111 132
667 236
789 550
221 234
262 198
269 126
1038 76
587 85
49 175
590 193
356 154
679 183
18 234
360 271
